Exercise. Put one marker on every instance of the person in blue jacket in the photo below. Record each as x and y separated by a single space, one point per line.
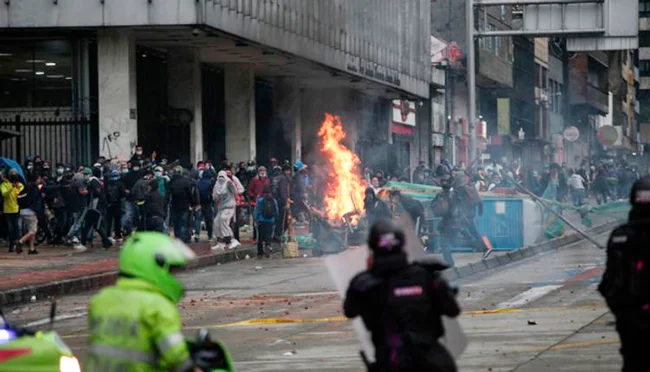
266 212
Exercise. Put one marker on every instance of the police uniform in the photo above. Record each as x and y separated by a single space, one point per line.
135 325
626 282
401 304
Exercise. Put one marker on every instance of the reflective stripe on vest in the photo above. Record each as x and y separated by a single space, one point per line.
114 352
170 341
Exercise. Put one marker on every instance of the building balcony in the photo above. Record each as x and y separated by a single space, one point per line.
591 96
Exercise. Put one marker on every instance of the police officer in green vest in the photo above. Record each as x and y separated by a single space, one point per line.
135 324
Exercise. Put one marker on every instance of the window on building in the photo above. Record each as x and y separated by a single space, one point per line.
35 73
644 68
555 96
644 39
644 8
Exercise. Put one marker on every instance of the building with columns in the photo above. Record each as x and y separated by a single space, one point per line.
210 79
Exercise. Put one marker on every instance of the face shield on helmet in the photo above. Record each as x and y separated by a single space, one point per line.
152 256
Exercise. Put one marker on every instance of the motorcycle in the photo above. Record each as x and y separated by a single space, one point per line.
209 355
22 349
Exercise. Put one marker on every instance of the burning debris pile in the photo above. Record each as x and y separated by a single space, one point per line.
344 189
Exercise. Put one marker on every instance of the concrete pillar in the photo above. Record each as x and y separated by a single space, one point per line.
240 112
185 92
296 138
116 70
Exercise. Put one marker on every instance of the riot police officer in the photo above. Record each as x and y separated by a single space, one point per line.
401 304
135 325
626 282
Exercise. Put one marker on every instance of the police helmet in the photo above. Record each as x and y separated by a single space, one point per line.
150 256
640 195
386 238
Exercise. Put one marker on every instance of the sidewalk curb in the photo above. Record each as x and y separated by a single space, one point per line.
471 269
86 283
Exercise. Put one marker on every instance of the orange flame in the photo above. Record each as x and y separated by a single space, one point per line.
344 190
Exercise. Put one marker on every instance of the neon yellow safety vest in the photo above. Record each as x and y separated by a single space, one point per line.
134 328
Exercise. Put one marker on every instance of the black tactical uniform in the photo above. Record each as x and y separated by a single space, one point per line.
401 304
626 282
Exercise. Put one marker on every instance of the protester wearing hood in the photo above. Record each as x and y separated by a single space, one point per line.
10 188
115 195
300 190
375 208
183 198
240 201
204 187
223 195
256 188
76 203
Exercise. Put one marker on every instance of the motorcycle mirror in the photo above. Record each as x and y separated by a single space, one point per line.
202 336
52 314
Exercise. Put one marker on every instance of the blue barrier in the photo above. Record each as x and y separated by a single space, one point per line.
501 222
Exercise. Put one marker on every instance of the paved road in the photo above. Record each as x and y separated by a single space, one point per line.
541 314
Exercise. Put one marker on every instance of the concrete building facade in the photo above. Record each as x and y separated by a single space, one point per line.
212 78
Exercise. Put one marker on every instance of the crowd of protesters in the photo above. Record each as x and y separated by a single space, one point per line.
66 205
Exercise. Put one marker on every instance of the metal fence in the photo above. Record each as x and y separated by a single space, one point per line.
59 140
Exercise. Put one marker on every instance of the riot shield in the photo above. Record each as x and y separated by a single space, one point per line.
345 265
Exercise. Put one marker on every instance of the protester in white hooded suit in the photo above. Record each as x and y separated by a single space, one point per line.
223 195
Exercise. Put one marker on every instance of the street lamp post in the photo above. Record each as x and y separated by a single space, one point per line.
471 81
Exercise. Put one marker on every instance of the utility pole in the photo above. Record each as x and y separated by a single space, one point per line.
471 81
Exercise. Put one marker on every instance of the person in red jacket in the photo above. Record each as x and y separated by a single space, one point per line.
256 189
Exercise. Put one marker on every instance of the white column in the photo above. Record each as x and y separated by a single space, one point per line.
240 113
184 91
296 138
116 70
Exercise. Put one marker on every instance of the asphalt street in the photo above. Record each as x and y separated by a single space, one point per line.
539 314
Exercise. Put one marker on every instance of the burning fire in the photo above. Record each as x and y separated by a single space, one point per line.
344 190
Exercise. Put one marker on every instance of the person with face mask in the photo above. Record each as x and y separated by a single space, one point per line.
60 169
138 156
10 188
223 194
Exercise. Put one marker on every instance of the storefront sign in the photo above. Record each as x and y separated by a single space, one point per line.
503 116
372 70
404 112
571 134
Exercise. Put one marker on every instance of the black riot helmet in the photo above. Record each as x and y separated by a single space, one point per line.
640 200
386 238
